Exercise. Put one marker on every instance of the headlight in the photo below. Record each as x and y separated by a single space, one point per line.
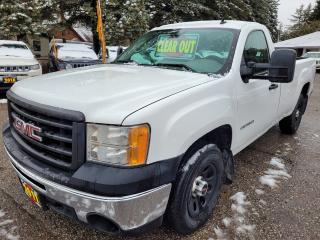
115 145
68 66
35 67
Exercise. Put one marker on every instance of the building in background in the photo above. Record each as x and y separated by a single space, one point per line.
39 44
303 44
76 33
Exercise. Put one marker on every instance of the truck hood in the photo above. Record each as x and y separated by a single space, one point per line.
107 93
17 61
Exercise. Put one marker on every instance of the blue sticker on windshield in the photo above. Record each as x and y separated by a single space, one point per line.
183 46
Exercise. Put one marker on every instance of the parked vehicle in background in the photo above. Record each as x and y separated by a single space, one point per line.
71 54
155 132
315 56
113 52
16 63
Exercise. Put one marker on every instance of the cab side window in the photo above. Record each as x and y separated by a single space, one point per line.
256 49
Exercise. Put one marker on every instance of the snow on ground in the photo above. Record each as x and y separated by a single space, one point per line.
3 101
227 221
221 235
237 226
6 228
259 191
274 176
277 162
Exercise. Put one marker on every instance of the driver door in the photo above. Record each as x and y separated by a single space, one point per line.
257 99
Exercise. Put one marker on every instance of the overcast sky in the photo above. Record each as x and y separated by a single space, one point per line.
288 7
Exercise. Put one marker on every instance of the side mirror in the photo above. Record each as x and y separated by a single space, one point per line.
280 70
283 65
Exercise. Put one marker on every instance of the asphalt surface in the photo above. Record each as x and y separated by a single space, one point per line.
289 211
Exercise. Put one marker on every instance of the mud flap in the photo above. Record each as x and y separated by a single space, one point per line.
228 166
304 104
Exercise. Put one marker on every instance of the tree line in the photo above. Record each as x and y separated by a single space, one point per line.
305 20
127 19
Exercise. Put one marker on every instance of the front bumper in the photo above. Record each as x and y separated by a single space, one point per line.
128 213
22 75
19 75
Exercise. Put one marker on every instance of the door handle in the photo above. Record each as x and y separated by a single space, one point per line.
273 86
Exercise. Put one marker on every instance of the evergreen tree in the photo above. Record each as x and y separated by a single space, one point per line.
305 22
266 12
307 13
19 18
62 14
239 10
165 12
298 16
125 20
315 16
272 23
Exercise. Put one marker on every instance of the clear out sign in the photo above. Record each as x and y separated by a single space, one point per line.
171 46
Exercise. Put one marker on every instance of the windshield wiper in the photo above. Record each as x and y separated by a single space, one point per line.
132 62
125 61
175 65
168 65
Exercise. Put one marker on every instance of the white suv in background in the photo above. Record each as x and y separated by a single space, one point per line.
16 63
315 56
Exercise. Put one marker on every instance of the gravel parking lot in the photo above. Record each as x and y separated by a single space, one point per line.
278 199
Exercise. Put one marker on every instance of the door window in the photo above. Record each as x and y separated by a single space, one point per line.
256 48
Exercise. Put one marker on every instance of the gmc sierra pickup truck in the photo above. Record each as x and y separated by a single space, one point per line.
152 136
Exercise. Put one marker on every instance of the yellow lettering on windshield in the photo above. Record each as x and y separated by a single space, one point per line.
167 46
181 47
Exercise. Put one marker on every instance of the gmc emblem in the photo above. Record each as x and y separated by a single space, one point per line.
27 129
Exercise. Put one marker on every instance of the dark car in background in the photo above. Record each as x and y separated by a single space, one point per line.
68 55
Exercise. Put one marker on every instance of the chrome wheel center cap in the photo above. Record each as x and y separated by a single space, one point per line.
200 187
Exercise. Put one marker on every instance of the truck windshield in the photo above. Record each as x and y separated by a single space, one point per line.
15 50
71 51
208 51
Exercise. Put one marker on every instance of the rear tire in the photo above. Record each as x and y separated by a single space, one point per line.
196 190
290 124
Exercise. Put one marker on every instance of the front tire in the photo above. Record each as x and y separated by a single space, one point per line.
196 190
290 125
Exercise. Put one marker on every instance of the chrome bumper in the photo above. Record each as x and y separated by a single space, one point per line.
129 212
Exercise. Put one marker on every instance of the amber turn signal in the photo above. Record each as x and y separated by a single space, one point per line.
138 145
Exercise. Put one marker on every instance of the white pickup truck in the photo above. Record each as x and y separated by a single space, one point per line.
123 145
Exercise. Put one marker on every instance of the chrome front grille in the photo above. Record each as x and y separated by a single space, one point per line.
15 68
62 137
79 65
